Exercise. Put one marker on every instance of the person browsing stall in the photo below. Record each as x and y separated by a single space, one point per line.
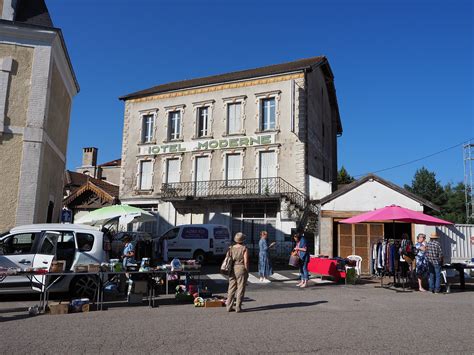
302 249
128 255
239 273
264 264
434 255
420 259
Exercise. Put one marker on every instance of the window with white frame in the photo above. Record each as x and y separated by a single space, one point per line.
234 118
172 170
148 127
145 175
233 172
267 114
174 125
203 121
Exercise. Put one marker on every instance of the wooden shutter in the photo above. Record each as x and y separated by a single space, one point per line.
345 240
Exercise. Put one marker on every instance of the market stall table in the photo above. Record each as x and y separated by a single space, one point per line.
459 267
327 267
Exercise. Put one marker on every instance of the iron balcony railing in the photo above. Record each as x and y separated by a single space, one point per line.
228 189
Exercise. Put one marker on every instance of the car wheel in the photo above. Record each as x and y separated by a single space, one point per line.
84 287
199 256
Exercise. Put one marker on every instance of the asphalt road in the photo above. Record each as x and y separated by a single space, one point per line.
278 318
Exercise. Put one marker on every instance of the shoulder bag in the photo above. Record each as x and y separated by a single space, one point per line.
228 263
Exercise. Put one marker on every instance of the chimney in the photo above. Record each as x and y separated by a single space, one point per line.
89 156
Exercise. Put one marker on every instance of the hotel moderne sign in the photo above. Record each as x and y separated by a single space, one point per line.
202 145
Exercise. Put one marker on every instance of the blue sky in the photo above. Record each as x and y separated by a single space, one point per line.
403 68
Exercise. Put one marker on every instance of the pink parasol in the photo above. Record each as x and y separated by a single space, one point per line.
396 214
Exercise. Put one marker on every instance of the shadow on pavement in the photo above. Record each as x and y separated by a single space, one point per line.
14 317
284 306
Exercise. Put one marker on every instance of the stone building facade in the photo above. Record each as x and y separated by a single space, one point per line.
247 149
37 85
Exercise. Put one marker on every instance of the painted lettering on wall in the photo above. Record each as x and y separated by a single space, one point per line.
206 145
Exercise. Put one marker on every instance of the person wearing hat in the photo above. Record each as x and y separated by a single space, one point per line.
434 256
239 273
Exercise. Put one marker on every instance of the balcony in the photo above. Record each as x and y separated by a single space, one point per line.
261 189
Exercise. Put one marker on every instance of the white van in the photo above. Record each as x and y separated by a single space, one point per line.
37 245
197 241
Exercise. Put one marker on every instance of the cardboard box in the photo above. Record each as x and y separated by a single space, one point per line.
213 303
58 308
58 266
93 268
81 268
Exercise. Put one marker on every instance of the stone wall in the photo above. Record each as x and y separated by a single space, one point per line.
59 109
50 184
10 159
19 84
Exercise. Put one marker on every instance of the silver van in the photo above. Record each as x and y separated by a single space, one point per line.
197 241
37 245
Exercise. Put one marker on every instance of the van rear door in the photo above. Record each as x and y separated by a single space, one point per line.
44 256
221 240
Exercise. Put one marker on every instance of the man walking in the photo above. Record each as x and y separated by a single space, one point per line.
434 255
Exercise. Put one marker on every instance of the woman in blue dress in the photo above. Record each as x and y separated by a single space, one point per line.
264 264
421 262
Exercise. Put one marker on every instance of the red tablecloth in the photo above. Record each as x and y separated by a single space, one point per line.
326 267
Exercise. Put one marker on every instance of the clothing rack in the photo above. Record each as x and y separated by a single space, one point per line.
387 260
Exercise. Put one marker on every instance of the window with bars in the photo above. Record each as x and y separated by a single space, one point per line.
267 114
148 127
174 125
145 175
203 121
234 118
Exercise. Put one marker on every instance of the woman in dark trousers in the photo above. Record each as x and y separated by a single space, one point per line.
302 249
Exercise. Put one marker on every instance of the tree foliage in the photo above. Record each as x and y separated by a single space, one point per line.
450 198
343 176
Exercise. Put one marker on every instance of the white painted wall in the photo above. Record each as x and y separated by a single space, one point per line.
318 188
370 196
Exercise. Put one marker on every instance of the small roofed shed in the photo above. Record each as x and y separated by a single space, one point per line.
83 193
366 194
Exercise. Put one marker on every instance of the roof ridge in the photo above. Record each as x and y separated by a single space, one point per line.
243 74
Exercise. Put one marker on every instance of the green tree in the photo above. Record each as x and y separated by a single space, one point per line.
343 176
424 184
454 210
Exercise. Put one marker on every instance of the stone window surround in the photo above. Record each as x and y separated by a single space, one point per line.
164 162
168 110
242 99
6 64
241 152
276 94
193 163
143 113
269 148
210 116
137 174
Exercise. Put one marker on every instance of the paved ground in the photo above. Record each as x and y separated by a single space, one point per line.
278 318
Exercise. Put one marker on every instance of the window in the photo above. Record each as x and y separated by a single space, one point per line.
19 244
195 233
233 169
48 245
148 126
145 175
203 121
234 118
171 234
267 111
84 241
174 125
221 233
172 170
